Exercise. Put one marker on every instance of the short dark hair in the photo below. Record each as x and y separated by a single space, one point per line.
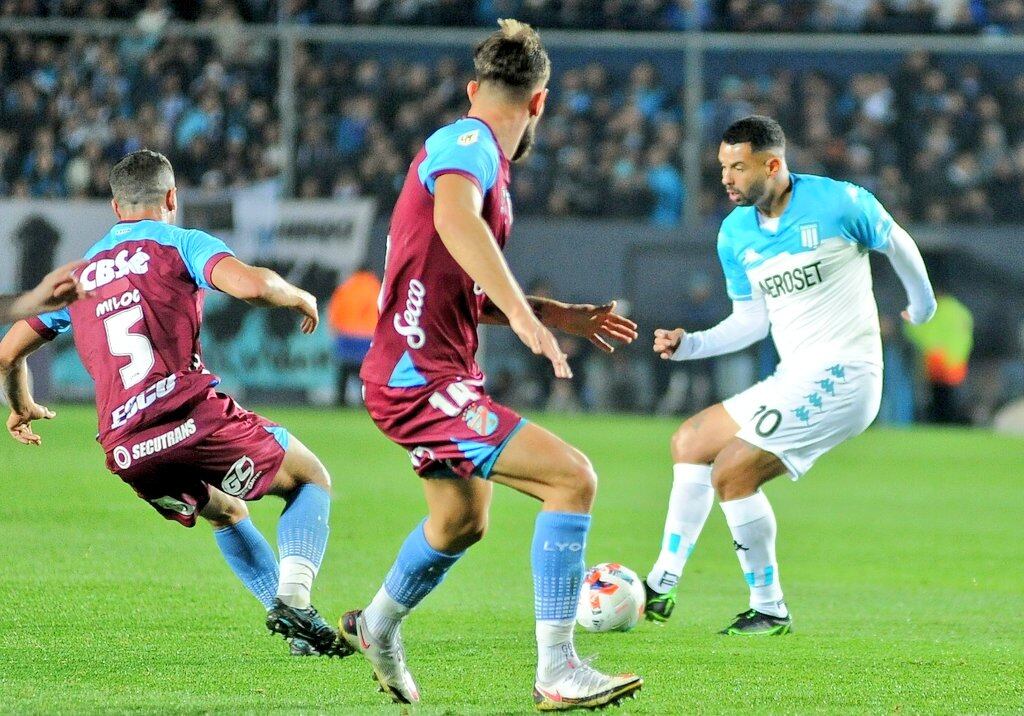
514 57
141 178
762 133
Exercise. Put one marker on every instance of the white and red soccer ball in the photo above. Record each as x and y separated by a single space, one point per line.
612 599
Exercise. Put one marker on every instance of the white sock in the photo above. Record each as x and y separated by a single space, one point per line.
384 615
688 507
296 581
554 648
752 523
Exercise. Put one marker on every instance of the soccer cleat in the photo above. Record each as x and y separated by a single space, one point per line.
755 623
581 686
301 647
308 625
659 606
387 660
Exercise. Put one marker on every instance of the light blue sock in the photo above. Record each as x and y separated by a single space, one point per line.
418 569
251 558
559 541
301 540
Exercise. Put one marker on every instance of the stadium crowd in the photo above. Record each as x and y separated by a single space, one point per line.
935 142
71 108
878 16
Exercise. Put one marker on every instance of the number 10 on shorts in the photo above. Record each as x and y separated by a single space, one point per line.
453 399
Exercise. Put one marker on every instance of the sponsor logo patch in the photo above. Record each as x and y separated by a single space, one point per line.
407 323
161 442
122 458
160 389
240 477
481 420
469 138
103 271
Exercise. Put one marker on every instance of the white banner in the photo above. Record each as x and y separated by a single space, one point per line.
328 232
38 235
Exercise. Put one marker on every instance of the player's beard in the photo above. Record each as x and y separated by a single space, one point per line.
754 194
526 142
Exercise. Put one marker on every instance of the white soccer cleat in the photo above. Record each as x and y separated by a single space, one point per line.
387 660
581 686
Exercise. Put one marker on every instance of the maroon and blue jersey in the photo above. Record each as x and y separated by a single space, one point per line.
138 334
429 306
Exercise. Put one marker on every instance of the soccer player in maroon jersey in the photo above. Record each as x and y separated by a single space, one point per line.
445 273
186 449
57 289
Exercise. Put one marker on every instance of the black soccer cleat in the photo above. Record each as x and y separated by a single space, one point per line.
301 647
755 623
659 607
307 625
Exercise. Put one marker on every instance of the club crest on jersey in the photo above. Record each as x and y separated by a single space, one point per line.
101 272
480 420
469 138
809 236
240 477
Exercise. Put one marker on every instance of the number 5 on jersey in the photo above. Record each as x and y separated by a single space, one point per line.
125 344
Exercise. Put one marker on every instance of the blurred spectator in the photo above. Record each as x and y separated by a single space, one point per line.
998 17
352 315
71 107
936 142
944 344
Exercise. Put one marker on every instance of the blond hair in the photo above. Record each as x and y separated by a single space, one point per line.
513 57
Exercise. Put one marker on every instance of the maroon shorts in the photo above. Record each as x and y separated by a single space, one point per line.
450 427
214 442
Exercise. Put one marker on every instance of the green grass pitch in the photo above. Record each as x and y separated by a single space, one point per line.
900 555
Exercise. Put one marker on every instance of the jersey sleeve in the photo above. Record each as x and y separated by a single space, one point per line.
201 252
50 325
868 223
737 283
473 154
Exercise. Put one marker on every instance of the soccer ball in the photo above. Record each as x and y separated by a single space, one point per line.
612 599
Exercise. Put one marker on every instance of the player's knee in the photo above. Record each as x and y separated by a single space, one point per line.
314 473
578 480
226 512
687 446
463 531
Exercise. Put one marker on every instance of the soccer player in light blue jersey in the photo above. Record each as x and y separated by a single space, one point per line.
795 256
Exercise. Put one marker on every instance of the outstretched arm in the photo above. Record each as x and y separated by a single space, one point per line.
747 324
598 324
21 340
458 204
57 289
263 287
906 260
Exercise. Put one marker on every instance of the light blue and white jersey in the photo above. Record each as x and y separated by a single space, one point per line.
812 271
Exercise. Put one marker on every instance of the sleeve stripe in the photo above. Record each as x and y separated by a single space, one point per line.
461 172
41 328
210 263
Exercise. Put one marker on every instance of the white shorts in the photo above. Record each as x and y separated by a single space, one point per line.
800 414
